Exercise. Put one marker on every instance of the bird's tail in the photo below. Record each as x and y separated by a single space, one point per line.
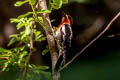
62 52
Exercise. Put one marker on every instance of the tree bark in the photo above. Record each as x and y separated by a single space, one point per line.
51 42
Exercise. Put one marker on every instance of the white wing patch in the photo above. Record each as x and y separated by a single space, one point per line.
64 32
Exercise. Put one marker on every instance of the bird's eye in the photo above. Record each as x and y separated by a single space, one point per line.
70 18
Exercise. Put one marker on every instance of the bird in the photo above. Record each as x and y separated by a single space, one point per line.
64 36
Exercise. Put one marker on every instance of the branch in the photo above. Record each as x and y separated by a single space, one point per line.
90 43
31 49
49 34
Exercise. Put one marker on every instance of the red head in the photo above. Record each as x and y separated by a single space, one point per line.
67 19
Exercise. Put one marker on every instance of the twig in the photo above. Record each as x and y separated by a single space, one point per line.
89 44
114 35
31 49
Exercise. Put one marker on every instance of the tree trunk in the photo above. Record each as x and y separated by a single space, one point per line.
51 42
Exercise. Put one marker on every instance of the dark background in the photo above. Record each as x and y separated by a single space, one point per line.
101 61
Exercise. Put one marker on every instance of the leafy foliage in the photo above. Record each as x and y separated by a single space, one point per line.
14 59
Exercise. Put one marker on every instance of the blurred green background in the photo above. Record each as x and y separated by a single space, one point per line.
99 68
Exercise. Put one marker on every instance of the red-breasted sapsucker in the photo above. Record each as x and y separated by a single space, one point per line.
64 35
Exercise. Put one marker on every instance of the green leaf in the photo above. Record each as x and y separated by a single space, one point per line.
40 20
18 49
49 4
52 20
44 52
2 62
13 40
54 28
21 56
43 11
23 36
32 66
37 33
32 2
5 55
30 21
5 66
39 36
14 35
25 15
14 20
57 4
20 3
20 25
65 1
43 67
3 50
27 30
42 38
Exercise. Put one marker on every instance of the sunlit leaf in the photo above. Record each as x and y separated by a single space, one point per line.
25 15
57 4
39 36
43 67
13 40
40 20
44 52
20 25
52 20
43 11
5 66
5 55
65 1
3 50
18 49
30 20
27 30
14 35
42 38
22 55
32 66
20 3
32 2
23 36
37 33
14 20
